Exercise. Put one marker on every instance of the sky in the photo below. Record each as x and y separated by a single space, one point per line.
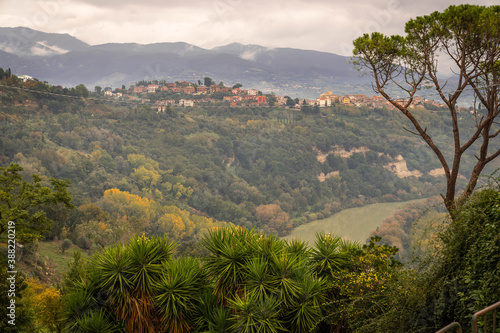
322 25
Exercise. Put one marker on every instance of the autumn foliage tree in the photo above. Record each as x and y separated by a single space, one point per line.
273 218
139 211
47 304
468 36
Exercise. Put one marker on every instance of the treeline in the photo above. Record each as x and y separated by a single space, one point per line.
413 228
57 99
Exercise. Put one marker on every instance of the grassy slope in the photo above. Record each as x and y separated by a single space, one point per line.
51 251
51 262
354 224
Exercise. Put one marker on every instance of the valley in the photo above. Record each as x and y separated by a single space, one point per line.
352 224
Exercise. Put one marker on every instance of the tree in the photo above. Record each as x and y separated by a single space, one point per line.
273 218
98 90
65 245
456 277
468 36
237 85
136 287
271 99
23 202
24 313
81 90
138 211
47 305
208 81
289 101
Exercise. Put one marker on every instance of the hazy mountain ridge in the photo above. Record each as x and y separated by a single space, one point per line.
28 42
65 60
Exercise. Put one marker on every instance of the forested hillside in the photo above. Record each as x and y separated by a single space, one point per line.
256 167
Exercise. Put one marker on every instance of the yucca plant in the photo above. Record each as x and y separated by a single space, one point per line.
230 249
115 273
297 248
305 313
285 269
255 316
260 282
97 322
127 276
328 256
84 299
76 305
178 295
212 316
269 246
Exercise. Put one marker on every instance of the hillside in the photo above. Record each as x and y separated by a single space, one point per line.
269 168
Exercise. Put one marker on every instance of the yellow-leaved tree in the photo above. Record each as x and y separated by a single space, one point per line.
146 171
48 306
140 212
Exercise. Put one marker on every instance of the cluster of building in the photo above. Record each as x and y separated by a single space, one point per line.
236 96
233 96
327 99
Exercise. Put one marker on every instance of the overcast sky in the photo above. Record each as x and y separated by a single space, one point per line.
323 25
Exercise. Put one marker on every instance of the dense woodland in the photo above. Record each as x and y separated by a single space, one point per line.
220 184
251 167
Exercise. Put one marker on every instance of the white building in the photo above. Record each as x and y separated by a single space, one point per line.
186 102
253 92
25 78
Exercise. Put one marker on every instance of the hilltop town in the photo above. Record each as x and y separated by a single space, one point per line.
188 94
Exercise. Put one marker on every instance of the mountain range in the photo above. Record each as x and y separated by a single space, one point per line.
64 60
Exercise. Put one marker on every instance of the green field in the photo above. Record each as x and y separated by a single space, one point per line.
56 261
353 224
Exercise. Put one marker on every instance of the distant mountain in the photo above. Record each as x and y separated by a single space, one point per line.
283 59
65 60
28 42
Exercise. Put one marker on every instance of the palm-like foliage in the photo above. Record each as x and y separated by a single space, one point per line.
259 272
249 283
128 275
268 247
212 316
178 297
327 256
285 268
230 250
113 265
260 281
97 322
306 312
84 311
147 257
252 315
121 284
297 248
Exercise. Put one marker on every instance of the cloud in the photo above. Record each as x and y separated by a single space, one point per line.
43 49
6 47
249 55
324 25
